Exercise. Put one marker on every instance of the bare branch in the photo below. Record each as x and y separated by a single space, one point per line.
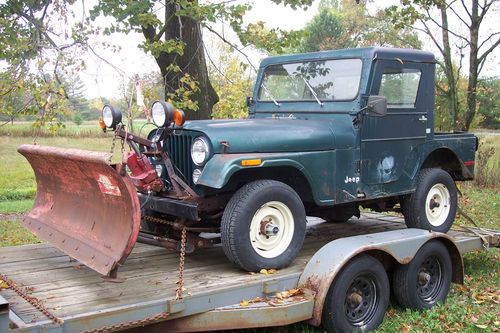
485 54
231 44
466 9
45 10
458 16
431 35
444 28
484 9
487 39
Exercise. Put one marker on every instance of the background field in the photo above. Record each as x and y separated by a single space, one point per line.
473 307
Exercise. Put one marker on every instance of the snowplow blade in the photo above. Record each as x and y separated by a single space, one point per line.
83 205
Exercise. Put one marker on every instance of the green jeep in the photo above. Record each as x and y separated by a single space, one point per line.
327 133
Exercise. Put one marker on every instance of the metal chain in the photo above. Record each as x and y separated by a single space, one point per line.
37 303
180 282
157 220
112 150
130 324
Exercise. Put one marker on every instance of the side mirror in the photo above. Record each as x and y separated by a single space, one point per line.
377 106
250 101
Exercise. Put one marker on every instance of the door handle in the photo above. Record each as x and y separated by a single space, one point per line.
422 118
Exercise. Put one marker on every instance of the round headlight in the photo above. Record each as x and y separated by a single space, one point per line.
110 116
200 151
196 175
162 113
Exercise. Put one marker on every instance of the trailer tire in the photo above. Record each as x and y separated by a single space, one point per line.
363 288
248 242
431 268
433 205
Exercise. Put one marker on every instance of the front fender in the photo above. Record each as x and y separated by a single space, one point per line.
221 167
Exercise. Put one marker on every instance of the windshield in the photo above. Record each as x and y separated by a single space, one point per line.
326 80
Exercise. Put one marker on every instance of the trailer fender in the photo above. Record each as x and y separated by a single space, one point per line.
400 245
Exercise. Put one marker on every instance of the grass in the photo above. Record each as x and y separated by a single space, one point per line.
12 233
88 129
473 307
15 206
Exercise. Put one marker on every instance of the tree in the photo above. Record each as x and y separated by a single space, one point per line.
172 31
36 56
435 14
345 24
232 82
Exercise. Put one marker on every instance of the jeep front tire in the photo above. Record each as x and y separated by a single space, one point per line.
263 226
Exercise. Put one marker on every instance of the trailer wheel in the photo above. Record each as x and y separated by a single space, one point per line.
433 206
263 225
358 297
426 279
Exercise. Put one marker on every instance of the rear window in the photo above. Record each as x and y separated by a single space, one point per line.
330 80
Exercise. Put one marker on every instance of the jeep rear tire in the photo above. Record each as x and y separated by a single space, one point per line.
263 226
433 205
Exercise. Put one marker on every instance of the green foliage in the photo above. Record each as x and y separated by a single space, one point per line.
489 102
345 24
78 119
231 84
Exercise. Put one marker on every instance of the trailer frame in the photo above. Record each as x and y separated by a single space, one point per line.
239 300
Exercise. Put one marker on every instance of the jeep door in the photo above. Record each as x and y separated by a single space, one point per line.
388 142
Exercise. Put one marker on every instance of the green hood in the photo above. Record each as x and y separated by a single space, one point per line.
267 135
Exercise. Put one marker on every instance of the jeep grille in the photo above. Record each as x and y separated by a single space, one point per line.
179 149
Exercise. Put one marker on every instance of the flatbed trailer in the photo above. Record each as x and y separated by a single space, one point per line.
218 295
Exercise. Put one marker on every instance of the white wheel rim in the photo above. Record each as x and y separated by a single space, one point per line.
437 205
266 240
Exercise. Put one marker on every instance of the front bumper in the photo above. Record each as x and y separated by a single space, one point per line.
175 207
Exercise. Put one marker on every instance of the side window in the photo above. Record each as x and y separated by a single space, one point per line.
400 87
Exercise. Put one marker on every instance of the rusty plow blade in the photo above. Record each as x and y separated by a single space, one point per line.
83 206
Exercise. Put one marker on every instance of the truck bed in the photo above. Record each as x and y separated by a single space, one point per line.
80 297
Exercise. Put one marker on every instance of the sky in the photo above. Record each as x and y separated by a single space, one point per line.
101 79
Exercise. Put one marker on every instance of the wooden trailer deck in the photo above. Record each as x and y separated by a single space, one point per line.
82 299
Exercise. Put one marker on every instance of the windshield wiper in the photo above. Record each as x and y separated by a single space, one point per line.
312 90
269 94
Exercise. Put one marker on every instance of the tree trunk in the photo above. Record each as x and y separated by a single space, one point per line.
192 61
451 93
473 68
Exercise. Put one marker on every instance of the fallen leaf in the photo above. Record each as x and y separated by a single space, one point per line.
267 271
244 303
481 326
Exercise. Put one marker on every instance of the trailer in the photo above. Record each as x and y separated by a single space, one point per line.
46 291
